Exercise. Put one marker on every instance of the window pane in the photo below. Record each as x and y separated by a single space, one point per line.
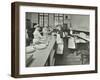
46 21
41 21
41 14
45 14
61 20
56 15
61 15
51 20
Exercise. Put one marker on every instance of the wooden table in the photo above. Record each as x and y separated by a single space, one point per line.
42 56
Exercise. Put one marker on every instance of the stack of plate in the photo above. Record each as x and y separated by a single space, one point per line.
40 46
30 49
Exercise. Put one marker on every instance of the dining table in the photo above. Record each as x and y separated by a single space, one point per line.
45 56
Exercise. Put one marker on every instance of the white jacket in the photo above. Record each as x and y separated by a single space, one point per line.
37 36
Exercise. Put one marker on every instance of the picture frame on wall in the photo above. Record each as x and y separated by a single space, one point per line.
36 48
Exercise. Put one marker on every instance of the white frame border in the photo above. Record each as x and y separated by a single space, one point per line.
51 69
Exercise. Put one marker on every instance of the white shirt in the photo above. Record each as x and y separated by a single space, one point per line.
37 36
45 32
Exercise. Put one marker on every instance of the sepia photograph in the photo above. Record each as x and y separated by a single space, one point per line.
54 39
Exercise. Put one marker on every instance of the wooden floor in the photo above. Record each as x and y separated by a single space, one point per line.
69 57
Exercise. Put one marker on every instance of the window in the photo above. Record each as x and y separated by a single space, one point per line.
43 19
59 18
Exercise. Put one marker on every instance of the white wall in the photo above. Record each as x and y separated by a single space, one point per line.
5 40
80 22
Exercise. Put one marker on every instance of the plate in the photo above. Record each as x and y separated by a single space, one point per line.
30 49
40 46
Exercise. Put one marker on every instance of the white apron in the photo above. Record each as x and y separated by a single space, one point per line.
60 45
37 36
71 43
